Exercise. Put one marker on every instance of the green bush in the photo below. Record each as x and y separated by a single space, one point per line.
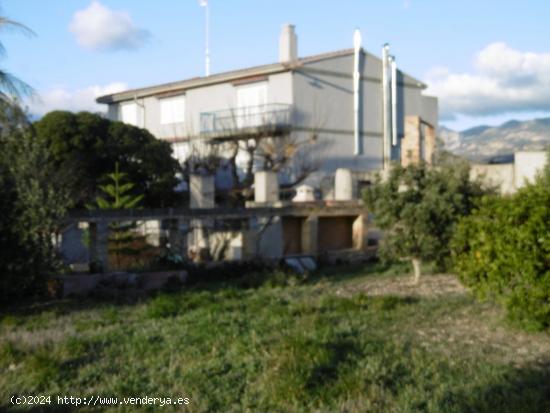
502 251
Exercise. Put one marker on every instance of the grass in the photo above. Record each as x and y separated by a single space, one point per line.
297 348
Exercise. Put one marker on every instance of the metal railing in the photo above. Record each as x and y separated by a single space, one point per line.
263 117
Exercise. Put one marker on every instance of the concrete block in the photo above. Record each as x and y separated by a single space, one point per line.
344 185
201 191
266 187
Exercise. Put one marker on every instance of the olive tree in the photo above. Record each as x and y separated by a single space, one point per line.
418 208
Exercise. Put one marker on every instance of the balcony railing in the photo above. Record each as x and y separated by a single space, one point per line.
270 120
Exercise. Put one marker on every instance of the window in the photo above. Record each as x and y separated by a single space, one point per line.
129 113
172 110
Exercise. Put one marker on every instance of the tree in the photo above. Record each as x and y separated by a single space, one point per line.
418 207
33 201
89 145
502 251
117 194
10 86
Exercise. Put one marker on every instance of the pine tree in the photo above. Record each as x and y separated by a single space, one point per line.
123 239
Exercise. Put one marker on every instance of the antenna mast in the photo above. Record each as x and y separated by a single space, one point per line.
204 3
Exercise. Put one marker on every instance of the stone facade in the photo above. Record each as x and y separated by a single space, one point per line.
418 143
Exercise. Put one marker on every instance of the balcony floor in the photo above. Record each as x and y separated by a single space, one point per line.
250 132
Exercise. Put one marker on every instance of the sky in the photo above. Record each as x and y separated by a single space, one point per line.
487 61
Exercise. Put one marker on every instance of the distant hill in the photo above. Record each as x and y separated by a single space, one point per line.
482 143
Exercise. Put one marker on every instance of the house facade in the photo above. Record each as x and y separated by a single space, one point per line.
351 105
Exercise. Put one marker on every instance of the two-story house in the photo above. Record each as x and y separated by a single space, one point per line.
355 102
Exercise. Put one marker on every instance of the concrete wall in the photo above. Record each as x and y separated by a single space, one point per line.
511 176
499 175
323 100
527 165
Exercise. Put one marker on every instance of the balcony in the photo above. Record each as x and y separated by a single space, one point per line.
273 119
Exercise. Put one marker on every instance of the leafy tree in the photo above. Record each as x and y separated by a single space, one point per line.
88 146
117 194
33 201
502 251
418 207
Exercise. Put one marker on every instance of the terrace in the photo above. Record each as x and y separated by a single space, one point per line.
268 120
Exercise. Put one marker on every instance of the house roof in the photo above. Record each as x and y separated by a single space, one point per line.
234 75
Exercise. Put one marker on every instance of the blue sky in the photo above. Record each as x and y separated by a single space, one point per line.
488 61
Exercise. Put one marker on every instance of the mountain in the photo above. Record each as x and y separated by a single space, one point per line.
483 143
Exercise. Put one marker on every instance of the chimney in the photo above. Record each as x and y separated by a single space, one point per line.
288 44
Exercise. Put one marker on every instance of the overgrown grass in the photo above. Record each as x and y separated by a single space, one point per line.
275 347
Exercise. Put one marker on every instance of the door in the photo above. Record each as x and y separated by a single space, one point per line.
251 105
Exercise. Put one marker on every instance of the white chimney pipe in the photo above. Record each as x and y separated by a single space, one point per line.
394 100
358 147
288 44
386 105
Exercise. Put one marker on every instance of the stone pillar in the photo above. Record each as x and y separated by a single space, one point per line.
201 191
176 236
310 234
250 240
269 237
410 144
419 142
429 143
199 239
99 240
360 232
266 187
344 185
202 195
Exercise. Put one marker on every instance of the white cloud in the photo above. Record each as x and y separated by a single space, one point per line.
61 98
100 28
504 80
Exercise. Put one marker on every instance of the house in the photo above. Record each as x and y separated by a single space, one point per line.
349 106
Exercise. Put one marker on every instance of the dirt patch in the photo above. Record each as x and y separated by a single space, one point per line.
475 328
429 286
485 332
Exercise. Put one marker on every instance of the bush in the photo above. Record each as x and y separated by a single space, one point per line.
502 251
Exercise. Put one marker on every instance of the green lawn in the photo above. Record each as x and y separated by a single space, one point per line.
324 345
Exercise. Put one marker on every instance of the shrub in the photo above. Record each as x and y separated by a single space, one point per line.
502 251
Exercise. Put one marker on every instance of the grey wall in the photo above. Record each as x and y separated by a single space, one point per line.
323 100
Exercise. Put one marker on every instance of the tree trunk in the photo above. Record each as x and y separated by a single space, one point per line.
417 271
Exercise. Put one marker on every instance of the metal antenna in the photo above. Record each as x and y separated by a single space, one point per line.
204 3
